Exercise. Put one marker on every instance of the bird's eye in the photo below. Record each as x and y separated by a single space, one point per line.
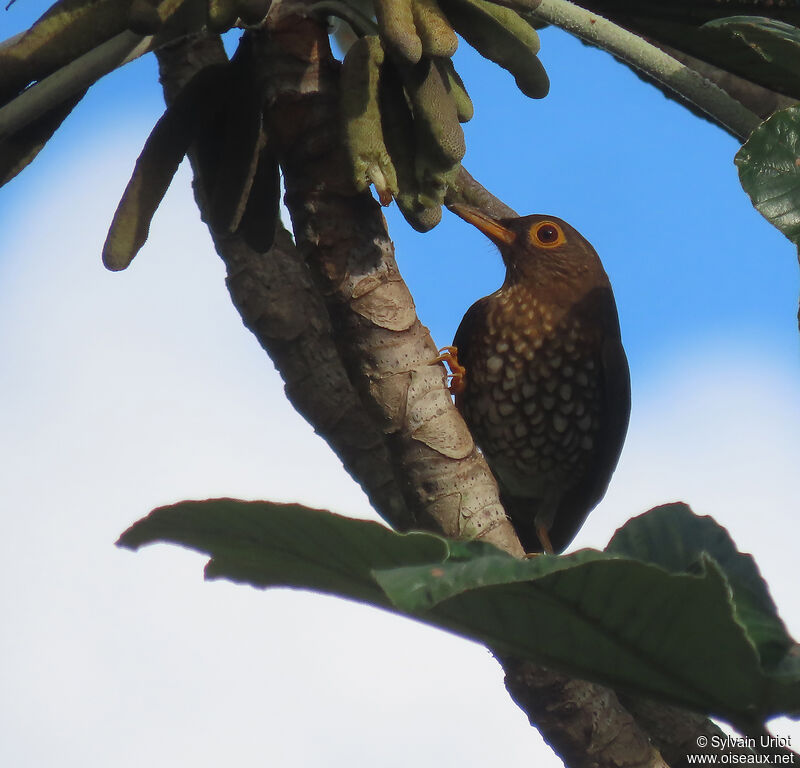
547 234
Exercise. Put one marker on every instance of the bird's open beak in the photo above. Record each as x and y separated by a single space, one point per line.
490 227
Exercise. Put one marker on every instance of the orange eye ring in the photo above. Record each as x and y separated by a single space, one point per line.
547 234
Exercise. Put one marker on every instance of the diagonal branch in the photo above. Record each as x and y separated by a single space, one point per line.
278 302
653 61
387 352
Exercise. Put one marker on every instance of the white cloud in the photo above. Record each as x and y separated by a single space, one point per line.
126 391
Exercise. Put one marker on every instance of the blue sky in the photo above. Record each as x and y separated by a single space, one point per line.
126 391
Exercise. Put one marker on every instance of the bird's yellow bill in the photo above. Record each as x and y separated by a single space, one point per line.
490 227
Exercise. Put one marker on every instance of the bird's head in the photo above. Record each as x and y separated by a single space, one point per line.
537 248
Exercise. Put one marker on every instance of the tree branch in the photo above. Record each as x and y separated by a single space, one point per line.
70 80
278 302
759 100
641 55
387 351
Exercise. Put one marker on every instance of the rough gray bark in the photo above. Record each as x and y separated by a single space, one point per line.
279 303
342 236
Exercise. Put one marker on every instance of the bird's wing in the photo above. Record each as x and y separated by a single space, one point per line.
473 317
615 407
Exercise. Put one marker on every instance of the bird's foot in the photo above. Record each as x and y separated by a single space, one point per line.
449 355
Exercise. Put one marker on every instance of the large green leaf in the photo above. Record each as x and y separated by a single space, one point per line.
674 538
675 625
268 545
769 170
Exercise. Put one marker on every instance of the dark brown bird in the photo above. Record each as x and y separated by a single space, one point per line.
545 388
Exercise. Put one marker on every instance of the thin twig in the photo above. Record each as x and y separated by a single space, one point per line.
643 56
73 78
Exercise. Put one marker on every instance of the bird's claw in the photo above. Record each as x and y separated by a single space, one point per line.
449 355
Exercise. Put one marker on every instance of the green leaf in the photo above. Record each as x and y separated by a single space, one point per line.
620 622
769 170
774 41
20 149
674 628
270 545
158 162
674 538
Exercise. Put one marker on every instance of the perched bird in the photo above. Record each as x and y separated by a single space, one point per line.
541 378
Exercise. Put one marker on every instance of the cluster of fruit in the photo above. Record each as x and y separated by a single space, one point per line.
403 101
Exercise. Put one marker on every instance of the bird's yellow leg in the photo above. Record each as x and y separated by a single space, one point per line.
544 539
449 355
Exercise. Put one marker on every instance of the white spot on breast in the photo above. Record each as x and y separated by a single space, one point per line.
494 364
506 409
520 430
502 346
565 392
560 424
567 408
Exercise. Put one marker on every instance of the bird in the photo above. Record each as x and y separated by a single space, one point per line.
541 378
